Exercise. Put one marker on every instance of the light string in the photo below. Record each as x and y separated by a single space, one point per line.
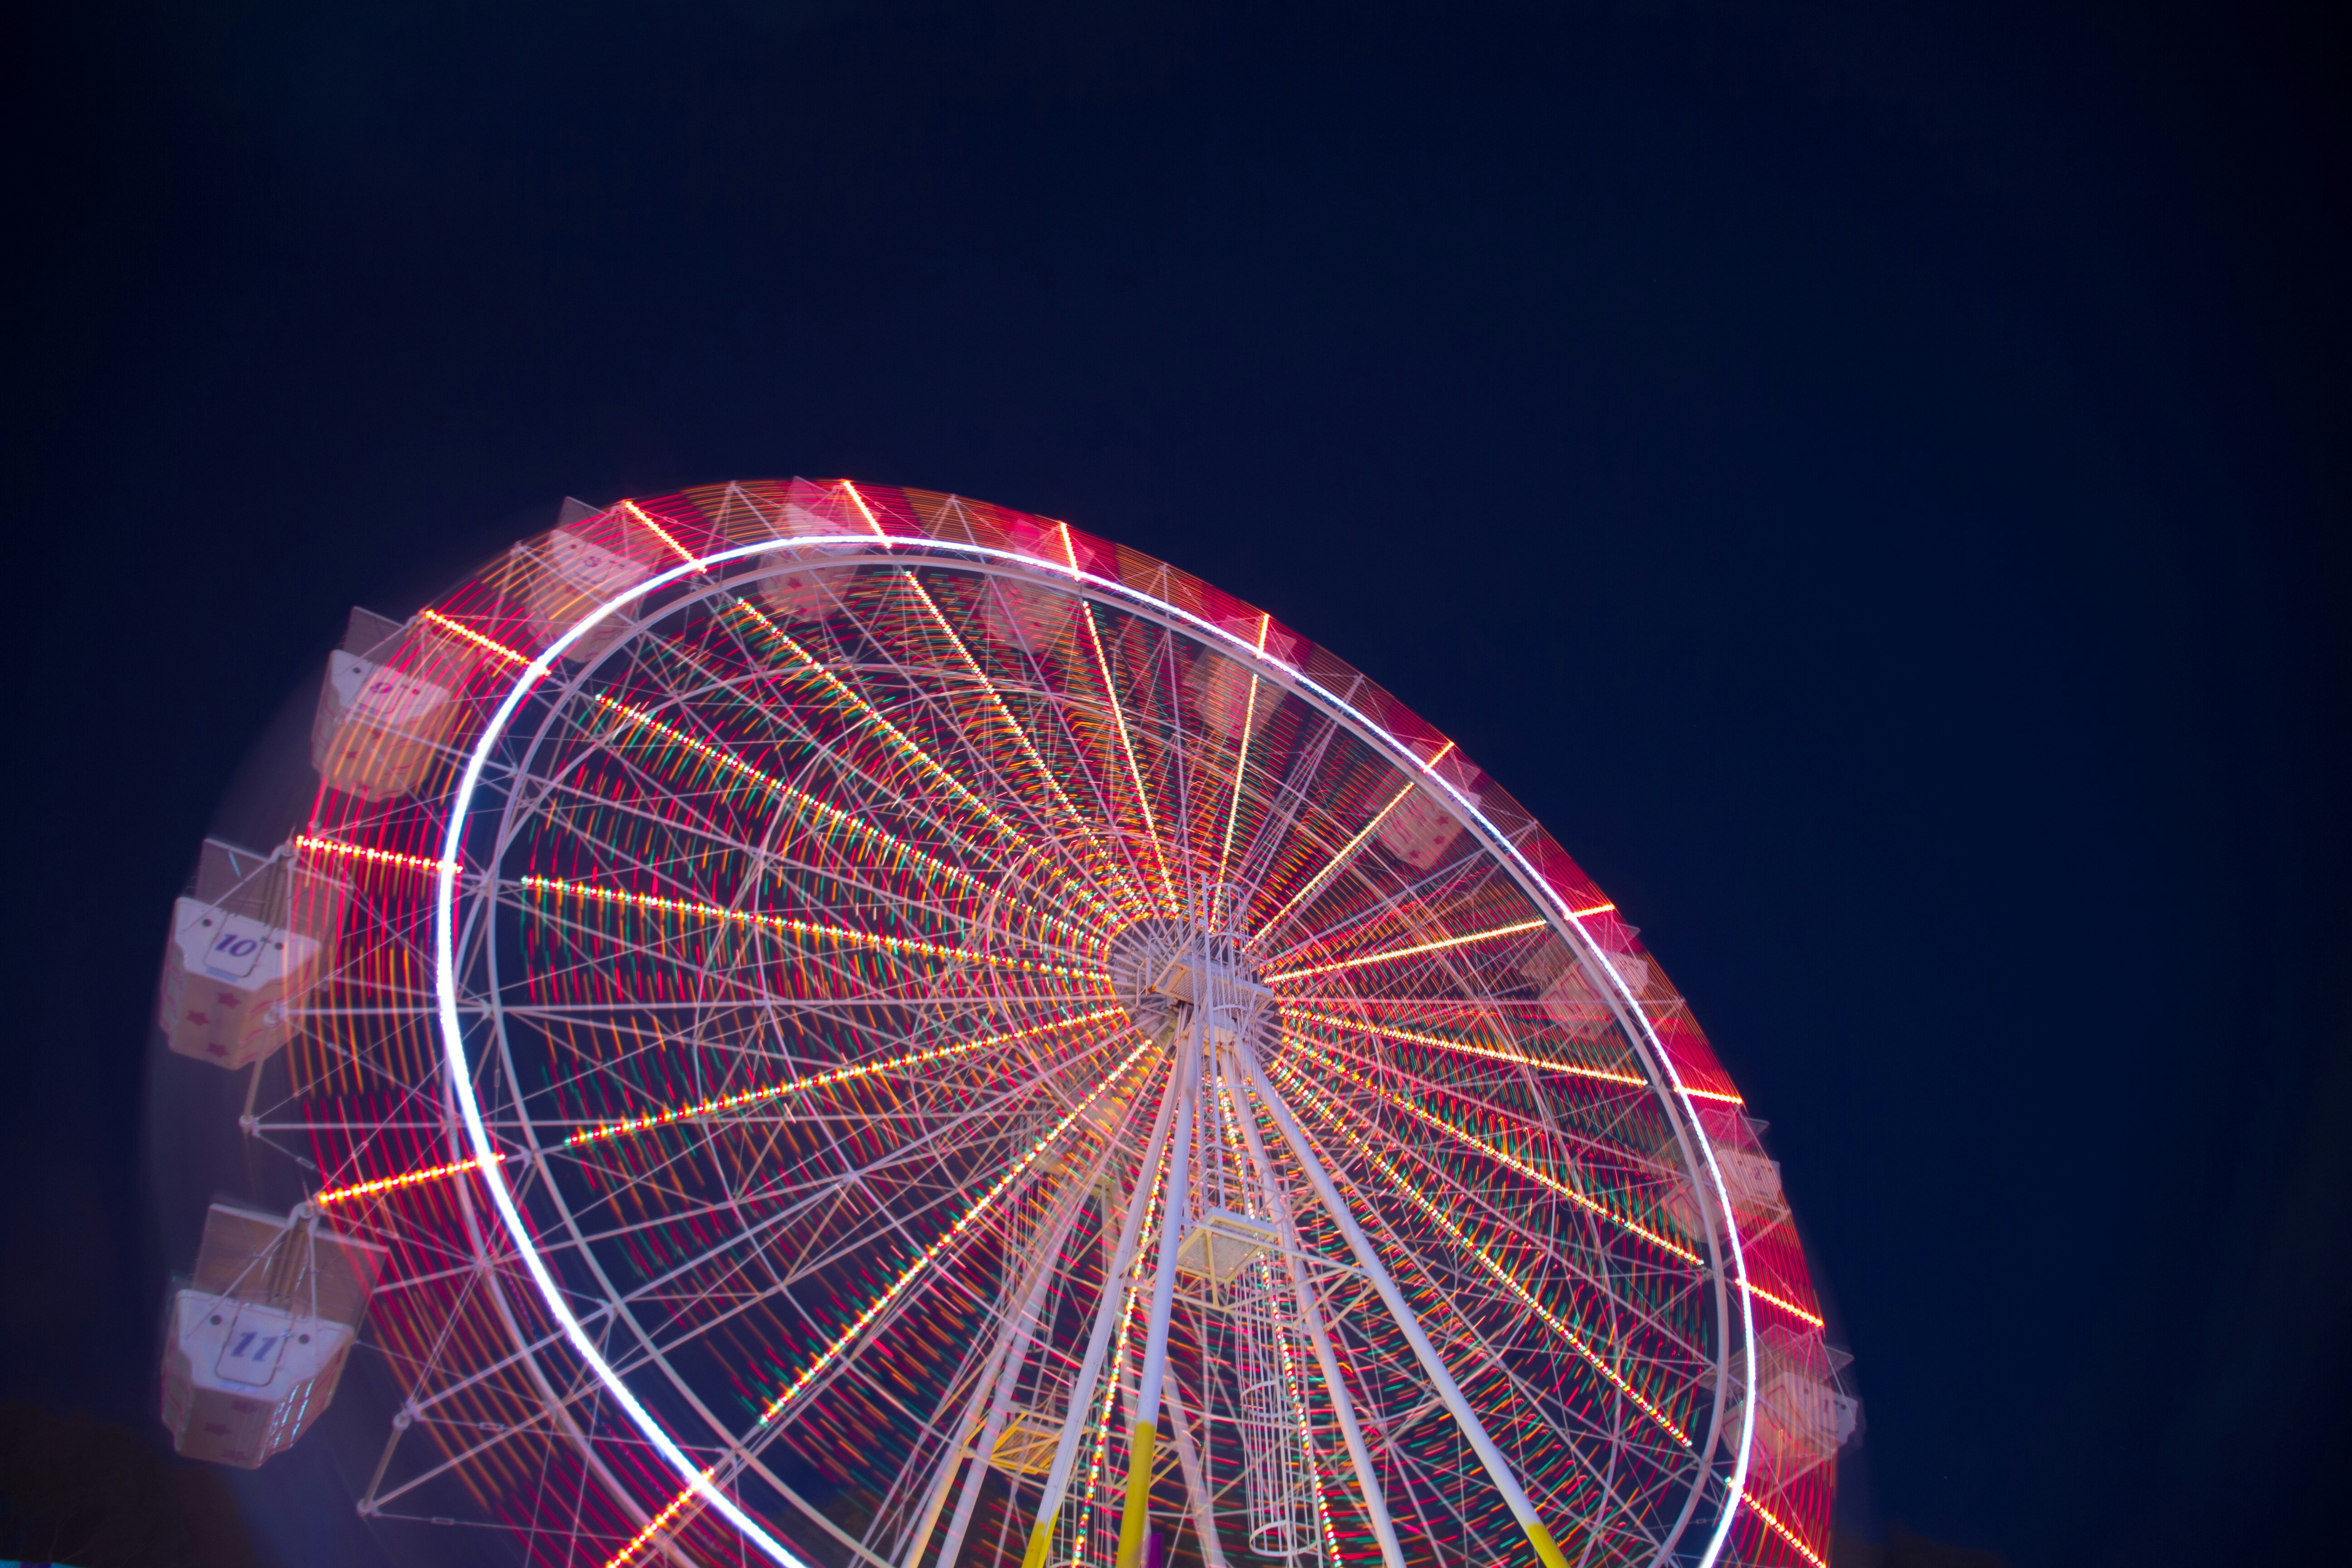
783 926
1510 1281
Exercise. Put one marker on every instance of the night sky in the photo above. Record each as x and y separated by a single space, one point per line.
1871 477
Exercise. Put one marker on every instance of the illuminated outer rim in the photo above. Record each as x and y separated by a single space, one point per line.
460 1077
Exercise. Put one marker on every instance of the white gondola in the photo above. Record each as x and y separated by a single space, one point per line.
384 711
256 1341
1804 1413
249 939
1569 996
1422 830
804 586
572 570
1750 1176
1225 695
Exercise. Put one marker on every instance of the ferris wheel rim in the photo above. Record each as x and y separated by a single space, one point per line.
1666 1078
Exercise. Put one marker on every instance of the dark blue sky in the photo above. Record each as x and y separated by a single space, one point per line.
1870 476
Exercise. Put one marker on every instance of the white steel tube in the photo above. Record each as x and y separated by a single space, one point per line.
1497 1468
1144 1432
1004 1370
1310 1317
1082 1393
1196 1479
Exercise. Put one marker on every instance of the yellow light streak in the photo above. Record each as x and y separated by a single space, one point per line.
830 812
835 1076
1500 1156
863 509
783 926
379 857
655 1525
1108 863
1785 1533
1537 1175
1495 1053
955 1232
920 757
413 1178
1442 943
1340 857
1241 767
471 635
1127 750
1508 1279
657 530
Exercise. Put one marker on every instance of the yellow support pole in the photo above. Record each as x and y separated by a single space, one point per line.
1140 1444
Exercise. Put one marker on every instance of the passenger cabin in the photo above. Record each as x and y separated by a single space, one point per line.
379 727
576 569
256 1339
1750 1176
804 587
1804 1413
1568 994
251 936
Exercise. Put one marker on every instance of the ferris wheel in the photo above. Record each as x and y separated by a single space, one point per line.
850 1027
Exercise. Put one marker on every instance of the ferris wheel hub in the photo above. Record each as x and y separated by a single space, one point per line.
1169 972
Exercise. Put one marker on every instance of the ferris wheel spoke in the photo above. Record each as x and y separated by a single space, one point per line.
813 931
1516 1289
1107 865
791 725
850 701
1142 796
1321 1052
1505 1480
753 856
1529 1401
1569 1263
855 828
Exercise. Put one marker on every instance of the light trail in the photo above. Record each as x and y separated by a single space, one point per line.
411 1179
1500 1156
376 857
1790 1536
1241 770
1104 861
723 1103
655 1525
783 926
836 1076
471 635
1493 1052
1510 1281
954 1233
657 530
1543 1178
1440 945
830 812
869 715
1127 749
1338 861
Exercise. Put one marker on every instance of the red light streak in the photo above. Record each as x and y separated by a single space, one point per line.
1438 946
380 857
826 1080
1784 1532
786 927
658 530
471 635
